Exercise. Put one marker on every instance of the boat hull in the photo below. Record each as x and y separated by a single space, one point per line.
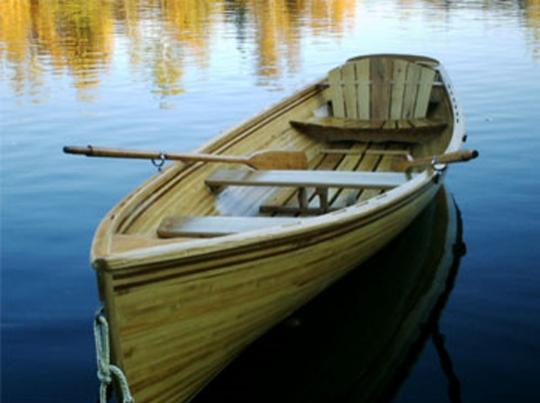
181 321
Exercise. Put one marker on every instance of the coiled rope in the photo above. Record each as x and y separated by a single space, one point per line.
106 370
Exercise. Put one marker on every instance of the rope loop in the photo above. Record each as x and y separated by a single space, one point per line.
106 371
160 162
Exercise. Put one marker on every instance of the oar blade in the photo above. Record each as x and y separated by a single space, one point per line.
278 159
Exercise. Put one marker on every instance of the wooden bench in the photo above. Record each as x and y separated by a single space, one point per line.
380 88
334 129
378 99
212 226
320 180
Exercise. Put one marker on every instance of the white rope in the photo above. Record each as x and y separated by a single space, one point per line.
106 370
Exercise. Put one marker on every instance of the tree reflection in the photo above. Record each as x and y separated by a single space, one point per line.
531 14
40 39
58 35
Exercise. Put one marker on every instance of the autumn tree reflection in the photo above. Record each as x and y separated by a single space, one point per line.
55 35
42 39
531 15
278 28
77 36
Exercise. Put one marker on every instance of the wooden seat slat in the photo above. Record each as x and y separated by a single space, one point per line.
381 72
414 73
398 88
424 90
363 88
211 226
338 102
317 179
349 91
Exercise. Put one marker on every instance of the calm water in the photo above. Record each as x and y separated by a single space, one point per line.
172 74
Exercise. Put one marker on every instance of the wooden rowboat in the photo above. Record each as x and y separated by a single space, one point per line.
203 258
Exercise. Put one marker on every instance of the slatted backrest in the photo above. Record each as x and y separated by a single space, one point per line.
380 88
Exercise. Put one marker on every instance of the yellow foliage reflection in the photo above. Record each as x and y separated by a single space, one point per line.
57 35
78 37
278 27
531 16
40 39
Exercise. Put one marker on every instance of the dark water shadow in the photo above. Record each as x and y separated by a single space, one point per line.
358 340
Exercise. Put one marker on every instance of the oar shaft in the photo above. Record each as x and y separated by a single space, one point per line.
91 151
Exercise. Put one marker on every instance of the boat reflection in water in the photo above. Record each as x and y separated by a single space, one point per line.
357 340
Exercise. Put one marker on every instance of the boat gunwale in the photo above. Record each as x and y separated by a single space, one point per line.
410 58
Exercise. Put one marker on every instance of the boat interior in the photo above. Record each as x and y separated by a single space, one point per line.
352 126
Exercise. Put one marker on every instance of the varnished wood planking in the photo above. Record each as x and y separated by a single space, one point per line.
363 88
206 227
424 91
336 91
398 88
231 335
411 90
350 91
122 242
381 73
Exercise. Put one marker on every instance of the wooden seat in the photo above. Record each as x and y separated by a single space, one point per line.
211 226
377 99
320 180
334 129
317 179
380 88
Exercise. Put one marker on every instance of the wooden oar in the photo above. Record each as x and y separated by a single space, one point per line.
269 159
448 158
